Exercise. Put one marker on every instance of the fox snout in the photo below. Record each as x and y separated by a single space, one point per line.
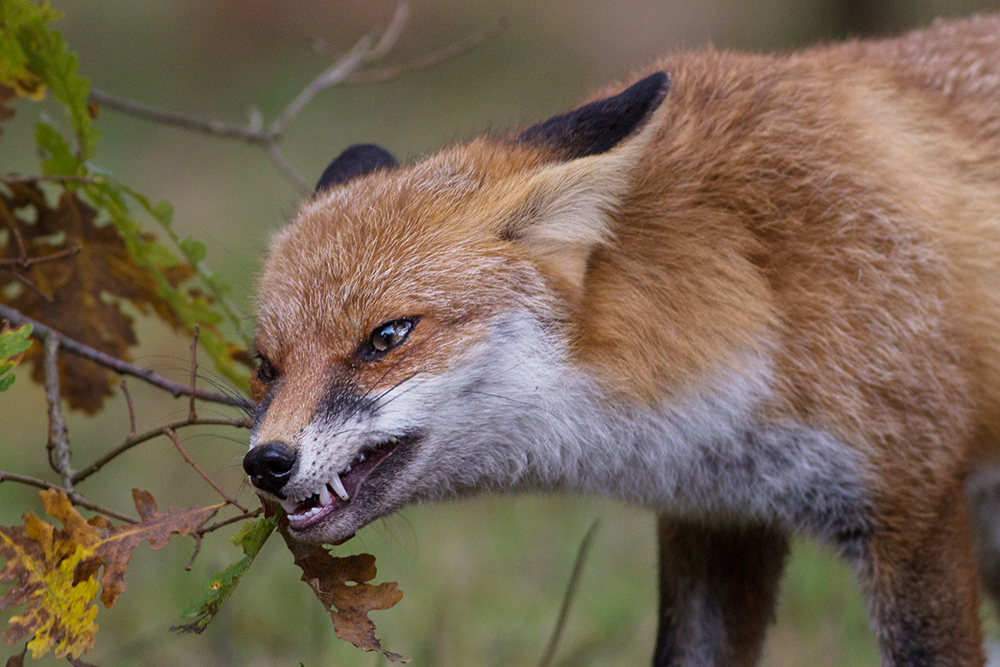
270 466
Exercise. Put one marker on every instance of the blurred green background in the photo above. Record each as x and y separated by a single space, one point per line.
483 579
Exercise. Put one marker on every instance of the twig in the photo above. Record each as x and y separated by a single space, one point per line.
235 519
74 497
346 69
333 75
192 415
200 533
428 59
58 442
177 443
286 169
41 331
134 440
131 410
574 582
52 178
27 262
203 125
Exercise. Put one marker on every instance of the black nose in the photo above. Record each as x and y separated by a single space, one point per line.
270 466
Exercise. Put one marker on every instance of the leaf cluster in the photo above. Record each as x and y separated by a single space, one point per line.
87 249
54 572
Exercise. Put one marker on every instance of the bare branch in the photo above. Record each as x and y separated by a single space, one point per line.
235 519
131 410
574 583
26 262
334 74
41 331
429 59
74 497
54 178
58 442
177 444
391 34
134 440
278 160
192 415
203 125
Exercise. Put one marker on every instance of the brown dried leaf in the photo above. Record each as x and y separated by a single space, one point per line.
54 572
116 549
348 603
79 295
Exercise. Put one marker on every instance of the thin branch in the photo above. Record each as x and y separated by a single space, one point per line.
285 168
52 178
41 331
346 69
58 442
200 533
131 410
74 497
203 125
177 444
227 522
27 262
333 75
392 32
132 441
429 59
192 415
571 587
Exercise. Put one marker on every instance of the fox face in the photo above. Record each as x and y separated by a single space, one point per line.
406 310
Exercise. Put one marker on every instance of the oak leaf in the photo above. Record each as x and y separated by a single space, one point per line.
341 584
54 572
80 295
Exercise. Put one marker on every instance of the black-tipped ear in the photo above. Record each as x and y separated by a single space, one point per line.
599 126
358 160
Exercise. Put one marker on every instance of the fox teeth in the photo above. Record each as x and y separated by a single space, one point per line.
324 496
289 506
338 488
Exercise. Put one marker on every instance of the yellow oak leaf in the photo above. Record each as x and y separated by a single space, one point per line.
54 572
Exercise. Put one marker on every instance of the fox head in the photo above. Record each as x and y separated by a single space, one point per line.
416 323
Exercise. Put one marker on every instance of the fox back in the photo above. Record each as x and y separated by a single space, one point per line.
759 295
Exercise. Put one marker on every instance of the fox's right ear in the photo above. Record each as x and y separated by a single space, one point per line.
358 160
562 210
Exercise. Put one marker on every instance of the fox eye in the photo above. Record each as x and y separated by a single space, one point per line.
388 335
266 372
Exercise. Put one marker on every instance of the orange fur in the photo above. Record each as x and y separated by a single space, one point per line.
835 213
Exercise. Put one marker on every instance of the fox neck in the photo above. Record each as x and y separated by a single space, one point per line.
533 420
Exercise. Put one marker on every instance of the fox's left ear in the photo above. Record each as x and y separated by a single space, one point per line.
562 212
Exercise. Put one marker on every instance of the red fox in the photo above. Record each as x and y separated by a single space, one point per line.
756 294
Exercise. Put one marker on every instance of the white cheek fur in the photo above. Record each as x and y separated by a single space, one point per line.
515 414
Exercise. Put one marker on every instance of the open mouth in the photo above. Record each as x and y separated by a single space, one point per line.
338 492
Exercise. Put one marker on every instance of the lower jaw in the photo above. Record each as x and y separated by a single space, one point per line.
305 523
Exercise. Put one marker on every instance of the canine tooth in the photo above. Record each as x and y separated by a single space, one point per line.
338 487
324 496
289 506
